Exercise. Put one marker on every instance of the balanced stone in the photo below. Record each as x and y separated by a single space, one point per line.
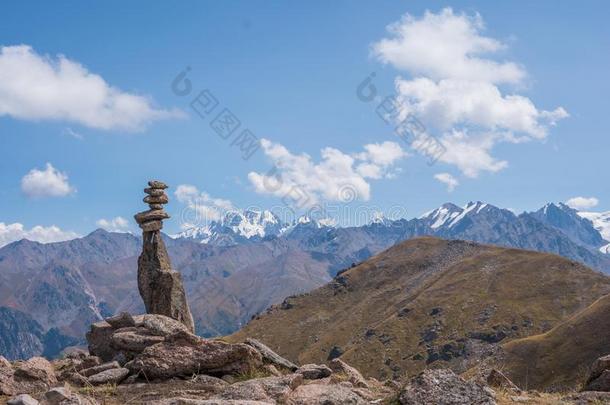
155 192
150 215
157 184
162 199
152 226
155 206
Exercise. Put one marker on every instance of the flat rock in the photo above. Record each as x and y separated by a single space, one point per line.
98 369
162 199
155 192
275 389
162 325
353 375
314 371
184 354
269 356
134 341
157 184
323 394
444 387
23 399
111 376
150 215
122 320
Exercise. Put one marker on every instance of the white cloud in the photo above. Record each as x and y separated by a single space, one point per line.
200 207
40 87
447 179
46 183
337 177
582 203
446 45
116 224
454 89
16 231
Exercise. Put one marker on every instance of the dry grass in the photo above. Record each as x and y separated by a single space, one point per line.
525 292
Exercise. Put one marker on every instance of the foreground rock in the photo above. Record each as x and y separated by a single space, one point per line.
599 377
184 354
444 387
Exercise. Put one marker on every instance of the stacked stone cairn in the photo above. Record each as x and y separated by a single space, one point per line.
161 287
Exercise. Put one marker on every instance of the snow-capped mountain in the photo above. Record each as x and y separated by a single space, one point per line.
236 227
601 222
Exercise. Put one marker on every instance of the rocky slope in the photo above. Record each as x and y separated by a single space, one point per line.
428 302
560 358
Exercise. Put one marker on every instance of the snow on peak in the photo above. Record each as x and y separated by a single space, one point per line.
601 222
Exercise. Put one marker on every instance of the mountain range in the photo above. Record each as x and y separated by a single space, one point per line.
237 267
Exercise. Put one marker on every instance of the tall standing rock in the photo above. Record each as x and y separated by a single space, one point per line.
161 287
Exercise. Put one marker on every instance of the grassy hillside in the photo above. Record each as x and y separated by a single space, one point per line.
428 302
560 358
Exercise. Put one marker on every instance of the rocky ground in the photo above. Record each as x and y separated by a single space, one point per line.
153 359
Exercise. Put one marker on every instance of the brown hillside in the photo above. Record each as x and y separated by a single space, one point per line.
428 302
560 358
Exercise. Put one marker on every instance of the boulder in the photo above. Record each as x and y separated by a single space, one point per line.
324 394
314 371
33 375
184 354
353 375
601 383
271 357
272 389
7 386
122 320
597 370
444 387
23 399
111 376
98 337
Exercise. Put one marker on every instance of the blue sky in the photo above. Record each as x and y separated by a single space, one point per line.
289 72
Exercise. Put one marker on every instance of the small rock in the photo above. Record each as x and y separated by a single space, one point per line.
56 395
112 376
98 369
151 215
269 356
353 375
162 199
99 336
23 399
314 371
122 320
155 192
157 184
